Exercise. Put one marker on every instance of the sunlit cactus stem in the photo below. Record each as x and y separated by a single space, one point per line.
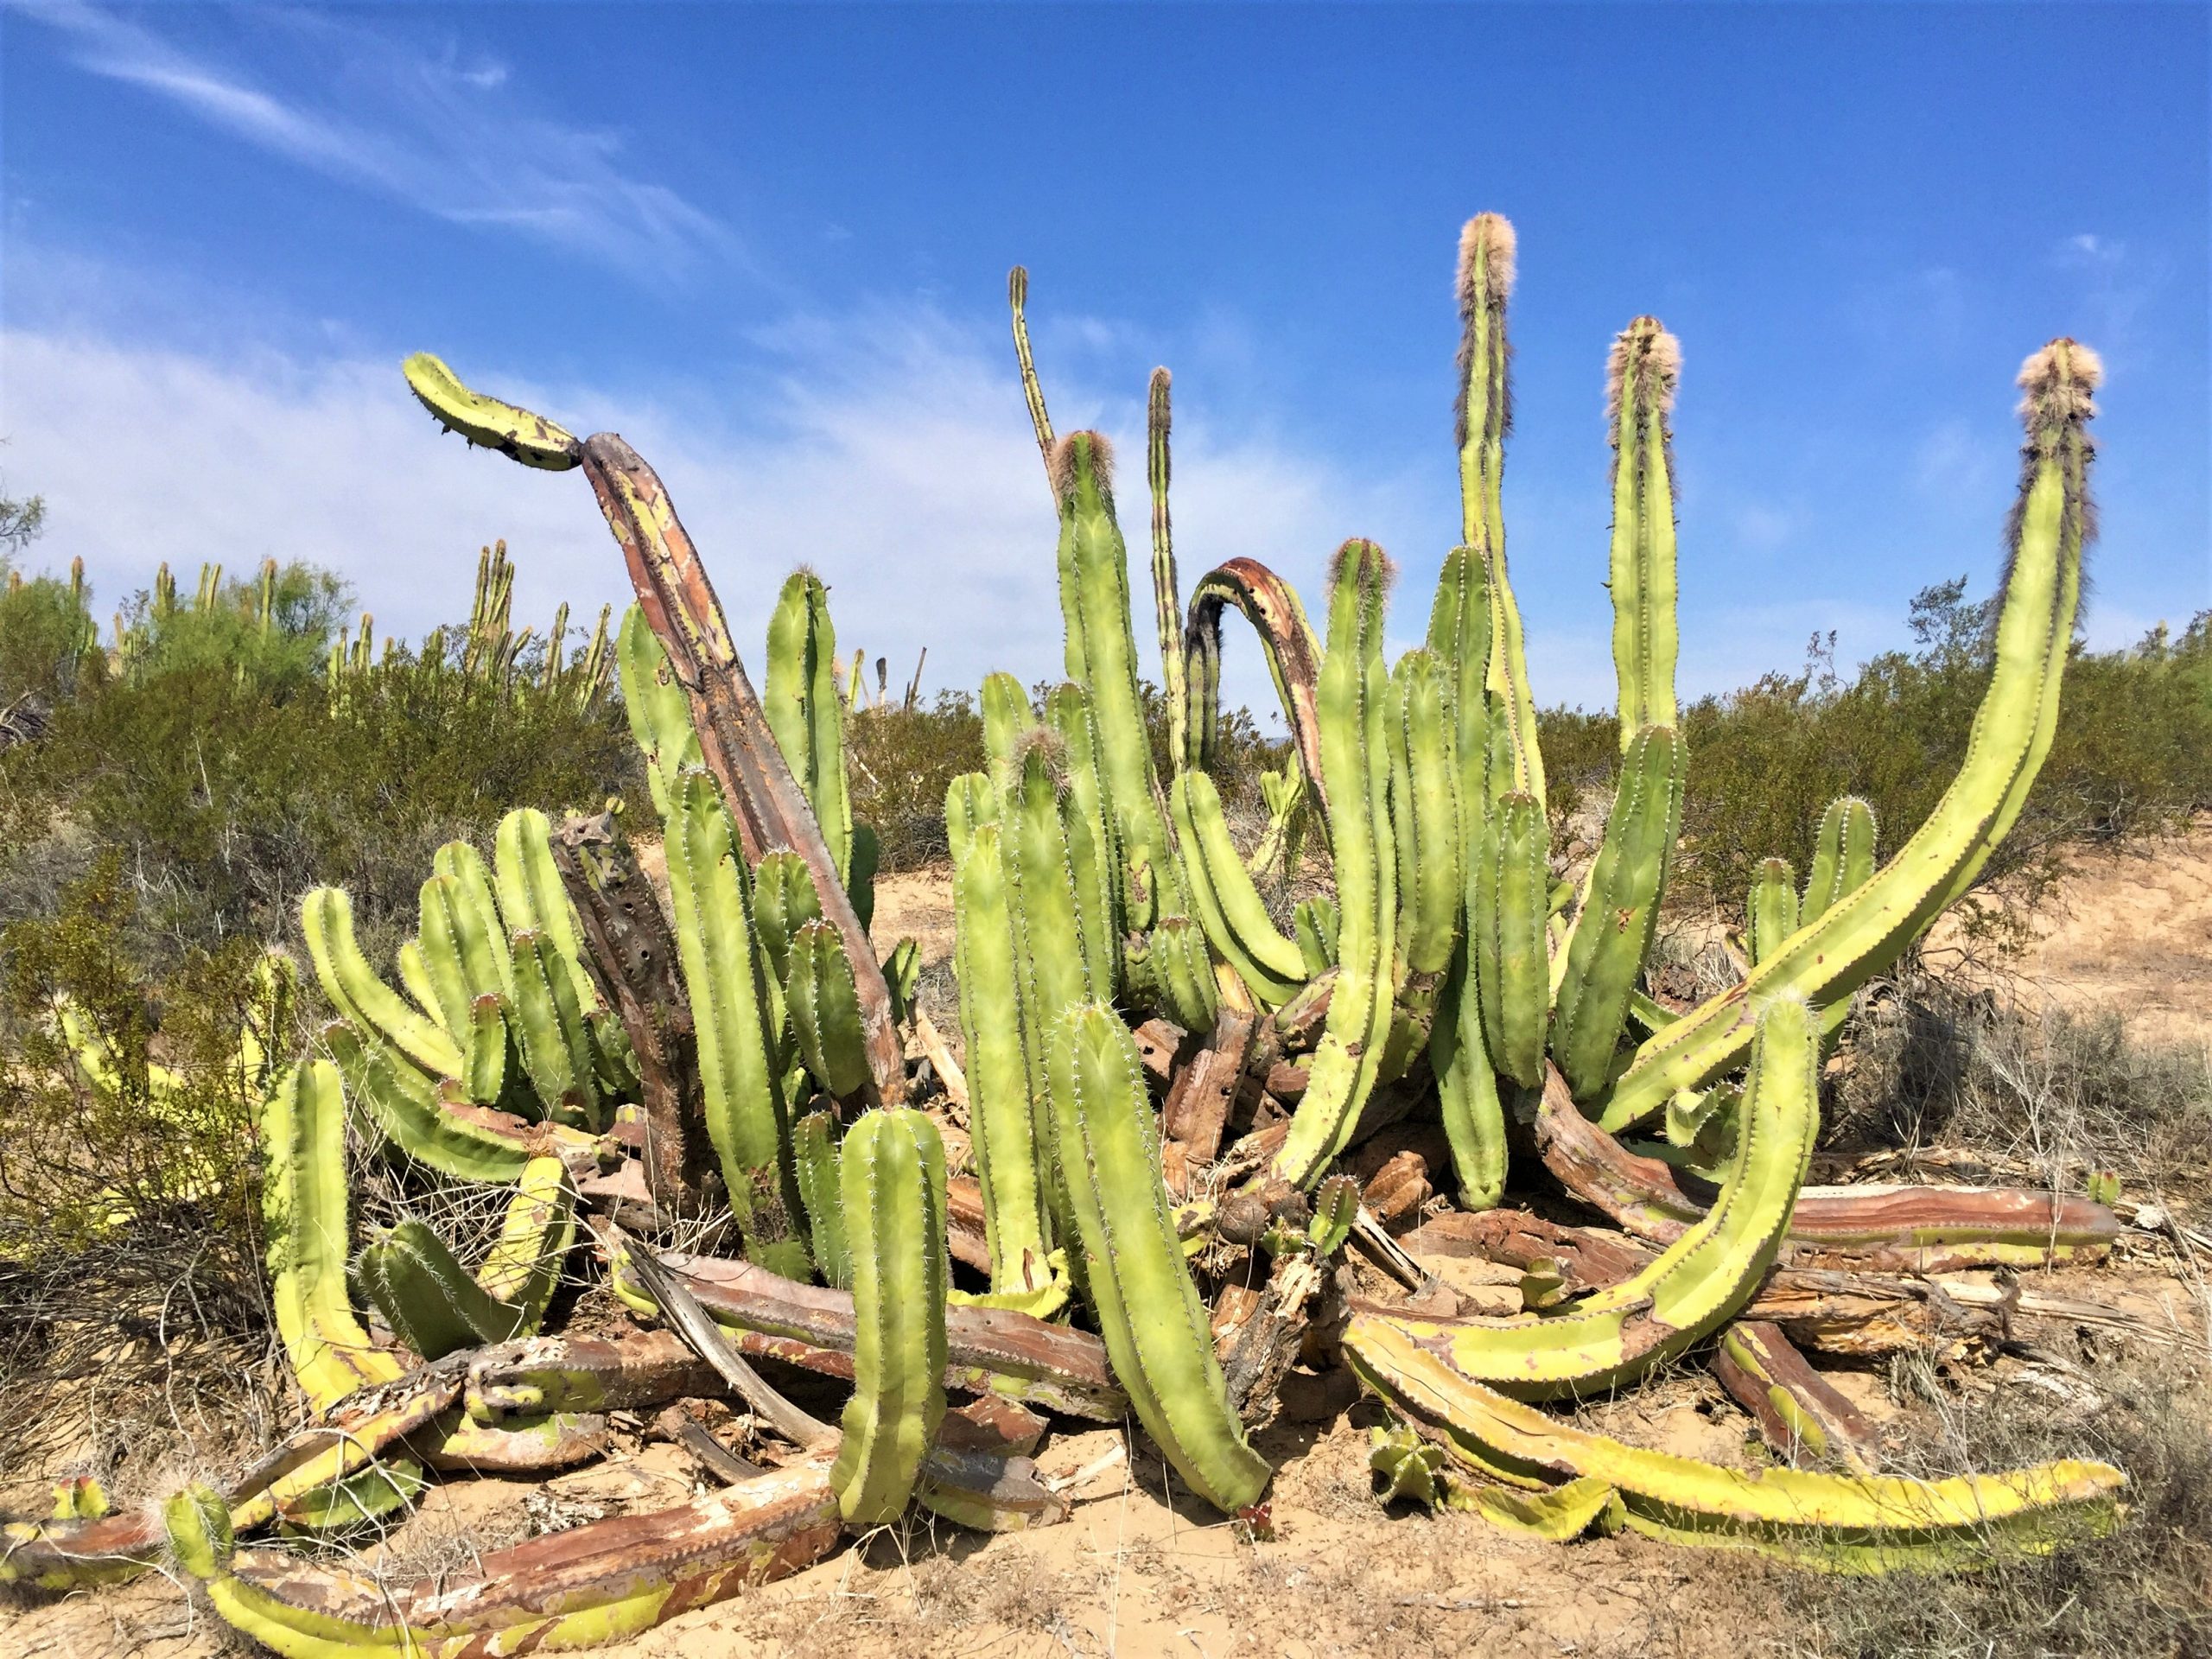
804 711
1640 392
1166 592
1862 932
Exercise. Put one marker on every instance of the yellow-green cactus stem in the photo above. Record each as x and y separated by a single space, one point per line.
1183 973
816 1151
892 1177
430 1299
354 989
530 439
527 886
1048 930
1094 861
1769 909
1355 748
1314 922
1858 935
1843 862
1230 907
1154 1326
1640 380
524 1266
784 901
1887 1521
1008 717
1001 1117
1102 657
1512 958
658 711
825 1011
1485 417
804 711
1620 912
1466 1089
1425 812
722 970
452 957
1700 1281
1167 593
409 1109
549 1029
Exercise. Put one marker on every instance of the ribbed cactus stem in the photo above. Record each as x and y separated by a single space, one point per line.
1770 908
893 1181
1155 1328
825 1012
744 1107
1355 750
1032 393
1102 657
817 1153
1640 376
1167 591
1485 417
1619 915
804 711
1094 861
1855 938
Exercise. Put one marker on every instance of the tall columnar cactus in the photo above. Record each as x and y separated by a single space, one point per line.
893 1182
1860 933
1148 1311
805 712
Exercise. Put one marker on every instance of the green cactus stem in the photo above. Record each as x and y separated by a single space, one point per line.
1228 906
1166 592
824 1010
1000 1112
1355 747
816 1151
1094 858
1507 923
893 1181
743 1102
1154 1326
1858 935
659 713
1641 377
1620 914
805 712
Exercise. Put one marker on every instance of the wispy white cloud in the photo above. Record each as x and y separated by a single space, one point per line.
888 450
449 135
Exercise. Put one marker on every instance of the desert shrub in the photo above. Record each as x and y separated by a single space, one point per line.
48 644
2133 752
129 1222
1933 1062
902 762
2144 1592
225 798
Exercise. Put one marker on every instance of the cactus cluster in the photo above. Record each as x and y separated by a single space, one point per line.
1162 1152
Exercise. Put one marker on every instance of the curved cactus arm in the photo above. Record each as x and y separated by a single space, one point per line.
1316 923
824 1010
892 1174
582 1588
744 1108
1094 855
428 1297
524 1268
1699 1281
1287 643
659 714
1797 1410
1168 601
1466 1087
1899 1519
1000 1114
1640 380
327 920
1619 915
734 736
1228 906
530 439
303 1210
1354 692
817 1153
1856 936
1102 657
470 1142
1017 298
805 712
1155 1328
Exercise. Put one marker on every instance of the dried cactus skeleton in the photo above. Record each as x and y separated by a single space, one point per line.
559 1036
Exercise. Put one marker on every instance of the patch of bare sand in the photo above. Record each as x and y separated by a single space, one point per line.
2129 931
914 905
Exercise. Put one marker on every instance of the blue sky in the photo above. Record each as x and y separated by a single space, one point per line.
769 245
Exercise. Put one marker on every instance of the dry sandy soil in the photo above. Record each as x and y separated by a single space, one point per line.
1133 1572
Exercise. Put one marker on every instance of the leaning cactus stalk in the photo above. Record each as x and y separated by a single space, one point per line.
1181 1112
